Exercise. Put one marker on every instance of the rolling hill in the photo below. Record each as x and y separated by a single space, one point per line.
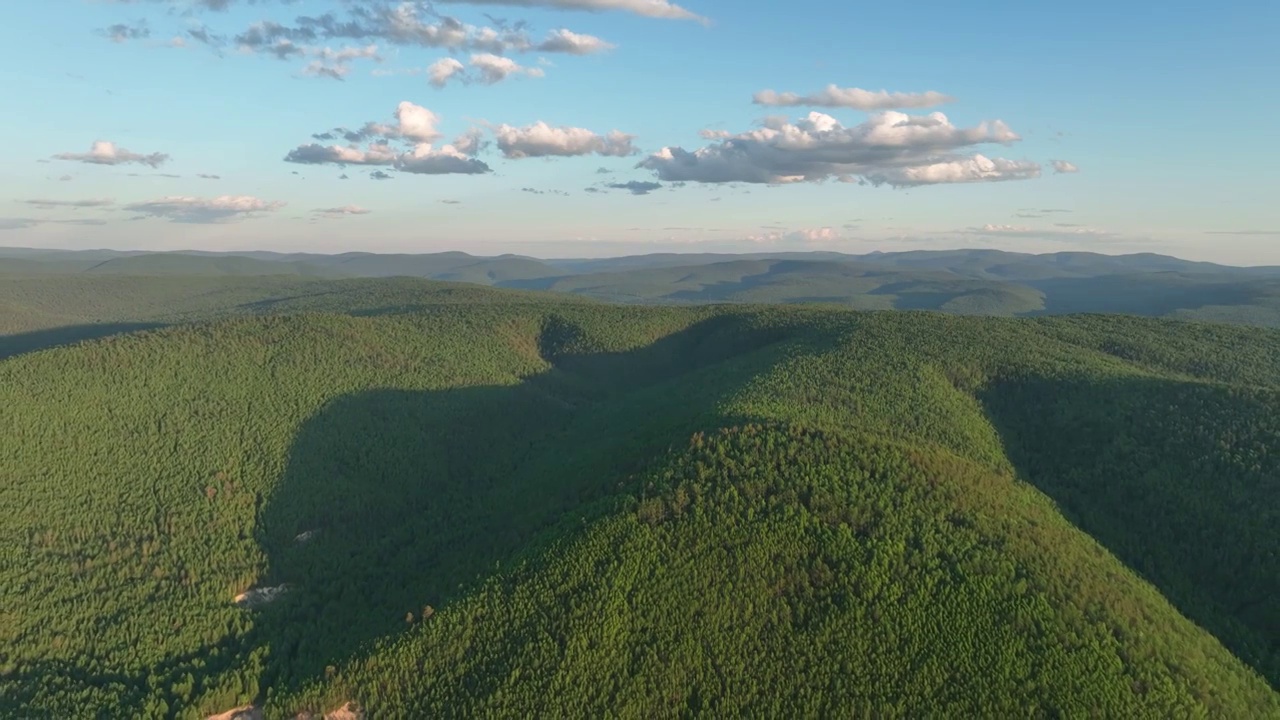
983 282
447 500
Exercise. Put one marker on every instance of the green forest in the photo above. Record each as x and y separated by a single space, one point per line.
437 500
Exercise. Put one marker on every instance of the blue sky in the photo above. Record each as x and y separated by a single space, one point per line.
1162 116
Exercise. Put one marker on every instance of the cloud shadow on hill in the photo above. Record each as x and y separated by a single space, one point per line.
417 498
37 340
1140 465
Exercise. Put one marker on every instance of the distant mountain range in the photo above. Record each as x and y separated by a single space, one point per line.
966 281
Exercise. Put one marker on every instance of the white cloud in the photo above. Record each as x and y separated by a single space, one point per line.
440 71
470 142
416 122
316 154
221 209
337 212
888 148
818 236
495 68
714 134
648 8
105 152
447 160
542 140
484 68
832 96
572 43
977 168
1024 231
415 127
1062 166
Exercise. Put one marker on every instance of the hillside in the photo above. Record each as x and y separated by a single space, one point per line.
798 281
966 281
169 264
491 503
37 313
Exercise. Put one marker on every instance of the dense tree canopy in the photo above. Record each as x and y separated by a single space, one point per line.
494 504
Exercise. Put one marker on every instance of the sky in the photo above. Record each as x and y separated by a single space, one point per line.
589 128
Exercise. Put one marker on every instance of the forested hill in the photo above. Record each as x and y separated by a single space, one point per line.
472 502
967 281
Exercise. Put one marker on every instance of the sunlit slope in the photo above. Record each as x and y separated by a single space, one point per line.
528 477
773 571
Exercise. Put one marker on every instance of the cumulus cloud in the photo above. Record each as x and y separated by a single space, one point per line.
636 187
337 212
890 148
1062 166
833 96
492 68
446 160
708 134
485 68
804 236
572 43
440 71
221 209
105 152
91 203
470 142
543 140
315 154
977 168
415 128
380 175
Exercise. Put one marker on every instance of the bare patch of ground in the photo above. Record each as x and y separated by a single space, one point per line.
244 712
349 711
259 596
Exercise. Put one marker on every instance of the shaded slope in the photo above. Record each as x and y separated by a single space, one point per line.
198 522
1179 480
